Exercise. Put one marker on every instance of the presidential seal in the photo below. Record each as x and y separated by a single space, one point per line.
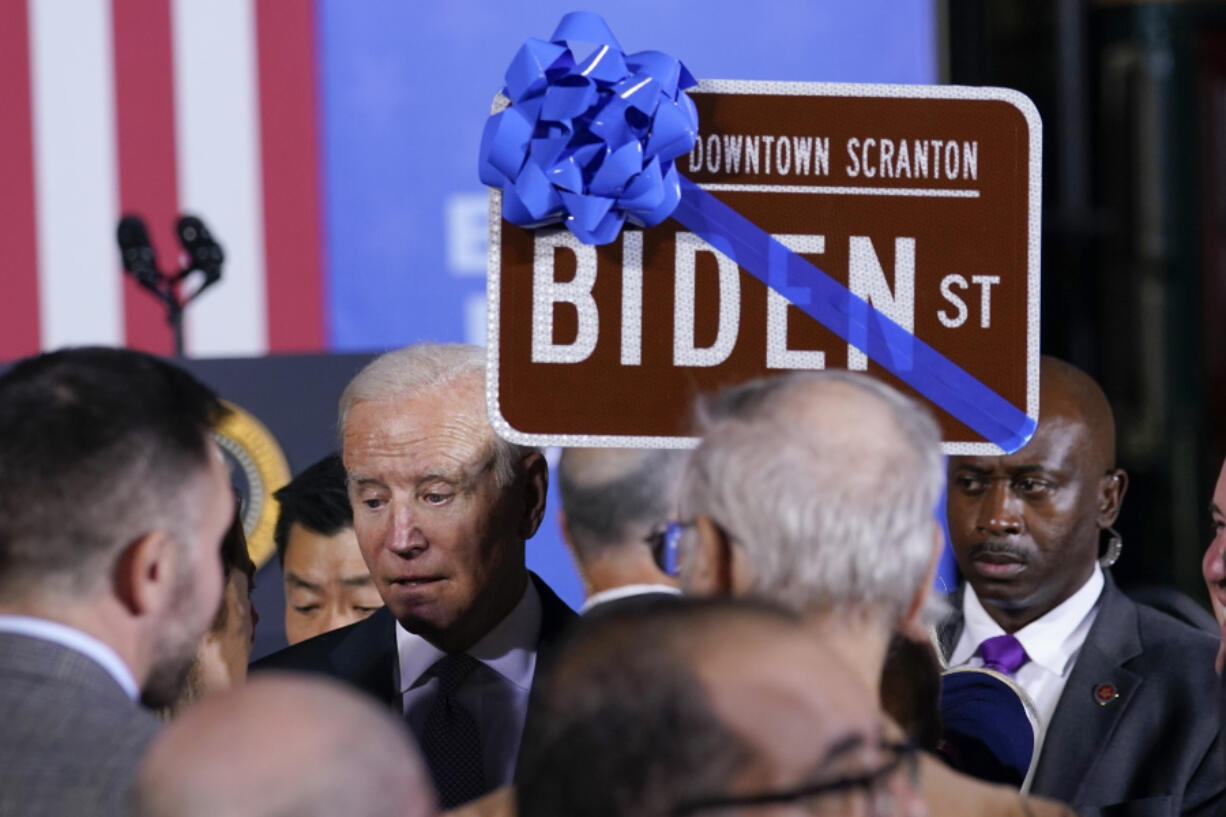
257 468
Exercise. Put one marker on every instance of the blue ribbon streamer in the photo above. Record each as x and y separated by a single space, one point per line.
590 143
853 319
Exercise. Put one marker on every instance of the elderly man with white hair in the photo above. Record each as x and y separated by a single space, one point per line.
441 508
818 490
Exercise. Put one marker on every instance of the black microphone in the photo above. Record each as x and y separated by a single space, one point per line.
205 253
137 253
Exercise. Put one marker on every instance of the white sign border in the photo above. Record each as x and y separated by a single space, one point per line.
846 89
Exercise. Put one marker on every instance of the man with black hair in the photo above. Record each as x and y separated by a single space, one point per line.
327 583
113 503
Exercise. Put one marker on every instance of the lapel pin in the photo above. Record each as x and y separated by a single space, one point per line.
1105 694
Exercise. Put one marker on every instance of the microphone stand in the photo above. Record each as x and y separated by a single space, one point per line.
204 255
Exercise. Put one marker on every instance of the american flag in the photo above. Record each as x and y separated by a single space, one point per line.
158 107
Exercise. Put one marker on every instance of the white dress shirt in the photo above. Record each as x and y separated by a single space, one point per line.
1052 643
496 694
624 592
76 641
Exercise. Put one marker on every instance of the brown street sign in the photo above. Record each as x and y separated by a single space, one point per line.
922 201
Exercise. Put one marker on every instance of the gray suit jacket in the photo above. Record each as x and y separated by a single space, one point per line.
70 739
1154 749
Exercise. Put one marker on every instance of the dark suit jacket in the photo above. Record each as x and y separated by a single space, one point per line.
70 739
1154 750
364 654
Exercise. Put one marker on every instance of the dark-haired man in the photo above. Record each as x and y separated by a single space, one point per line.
1127 694
113 503
327 583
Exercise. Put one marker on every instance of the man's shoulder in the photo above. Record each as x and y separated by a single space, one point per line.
1162 634
320 653
47 673
72 738
556 615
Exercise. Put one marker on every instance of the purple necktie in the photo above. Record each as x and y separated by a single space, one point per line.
1004 653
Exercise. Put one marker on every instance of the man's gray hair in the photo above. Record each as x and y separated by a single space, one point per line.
427 368
832 511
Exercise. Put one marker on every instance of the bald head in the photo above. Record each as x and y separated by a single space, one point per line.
1069 395
284 745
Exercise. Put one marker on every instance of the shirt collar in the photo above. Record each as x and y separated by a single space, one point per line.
509 649
1050 641
625 591
78 641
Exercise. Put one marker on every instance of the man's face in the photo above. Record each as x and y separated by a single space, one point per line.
327 583
443 540
1024 527
811 724
199 584
222 659
1214 563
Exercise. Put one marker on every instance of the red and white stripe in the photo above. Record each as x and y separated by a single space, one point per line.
159 107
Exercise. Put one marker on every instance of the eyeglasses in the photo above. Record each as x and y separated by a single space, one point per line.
833 796
663 540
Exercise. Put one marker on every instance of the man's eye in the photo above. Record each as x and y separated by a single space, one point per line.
373 503
1032 487
435 499
1217 526
969 484
307 609
366 610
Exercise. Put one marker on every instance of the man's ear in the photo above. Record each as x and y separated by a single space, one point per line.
536 486
1111 491
709 571
912 624
145 572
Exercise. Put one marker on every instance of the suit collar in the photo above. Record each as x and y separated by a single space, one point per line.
509 649
1098 694
51 661
366 654
950 628
1051 641
73 639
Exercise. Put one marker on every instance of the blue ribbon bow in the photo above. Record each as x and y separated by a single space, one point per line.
589 142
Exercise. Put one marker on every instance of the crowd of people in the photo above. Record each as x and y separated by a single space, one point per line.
761 632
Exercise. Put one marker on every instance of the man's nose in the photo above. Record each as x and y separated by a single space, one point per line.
334 617
1215 559
999 513
405 537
